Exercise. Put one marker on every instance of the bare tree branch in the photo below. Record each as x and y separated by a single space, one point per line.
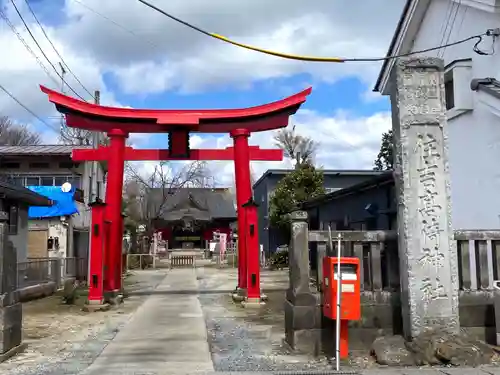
74 136
12 134
295 146
166 181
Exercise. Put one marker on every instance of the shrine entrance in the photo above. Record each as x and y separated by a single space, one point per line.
118 123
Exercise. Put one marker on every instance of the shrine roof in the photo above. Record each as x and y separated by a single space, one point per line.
203 203
83 115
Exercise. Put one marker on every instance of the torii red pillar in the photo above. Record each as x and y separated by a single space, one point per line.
243 195
114 188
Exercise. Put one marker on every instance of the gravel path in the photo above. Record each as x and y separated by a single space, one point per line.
63 340
242 342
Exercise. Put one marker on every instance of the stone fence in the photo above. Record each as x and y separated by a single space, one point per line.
478 254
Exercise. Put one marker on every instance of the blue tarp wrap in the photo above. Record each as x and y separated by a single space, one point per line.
64 205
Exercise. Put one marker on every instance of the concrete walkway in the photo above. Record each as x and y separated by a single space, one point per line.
167 334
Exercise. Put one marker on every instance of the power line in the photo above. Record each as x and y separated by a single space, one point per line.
444 27
451 27
26 45
26 108
41 49
478 37
55 49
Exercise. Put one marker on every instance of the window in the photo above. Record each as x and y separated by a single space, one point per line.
76 181
47 181
13 223
39 165
99 188
33 181
19 181
457 92
449 90
10 165
68 165
60 180
91 186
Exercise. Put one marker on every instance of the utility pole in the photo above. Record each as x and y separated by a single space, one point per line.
63 72
95 143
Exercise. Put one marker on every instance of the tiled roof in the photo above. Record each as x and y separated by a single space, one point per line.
207 203
22 194
39 150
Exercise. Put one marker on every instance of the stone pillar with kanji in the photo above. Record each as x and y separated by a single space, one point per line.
427 250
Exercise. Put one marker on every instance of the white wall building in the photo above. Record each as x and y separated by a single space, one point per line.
51 165
472 83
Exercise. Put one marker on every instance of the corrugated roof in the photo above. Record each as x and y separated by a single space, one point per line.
202 203
22 194
383 178
39 150
488 85
327 172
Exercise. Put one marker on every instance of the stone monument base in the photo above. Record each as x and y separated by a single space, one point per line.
12 352
239 295
94 307
254 303
114 298
303 329
11 323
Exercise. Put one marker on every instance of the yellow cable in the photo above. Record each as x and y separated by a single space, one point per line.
278 54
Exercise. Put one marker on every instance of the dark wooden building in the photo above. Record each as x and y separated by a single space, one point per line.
335 180
368 205
187 218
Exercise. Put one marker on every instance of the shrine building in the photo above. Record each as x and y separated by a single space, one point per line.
188 217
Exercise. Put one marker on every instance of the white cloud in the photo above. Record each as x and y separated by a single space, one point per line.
345 142
162 55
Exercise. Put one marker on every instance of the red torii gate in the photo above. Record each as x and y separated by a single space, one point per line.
118 123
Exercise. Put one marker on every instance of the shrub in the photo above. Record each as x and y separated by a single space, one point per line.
279 259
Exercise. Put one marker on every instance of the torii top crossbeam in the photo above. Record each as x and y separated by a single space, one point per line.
83 115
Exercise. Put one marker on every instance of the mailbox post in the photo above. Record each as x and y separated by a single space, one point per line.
350 293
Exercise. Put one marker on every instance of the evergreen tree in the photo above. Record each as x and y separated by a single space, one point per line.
385 158
300 185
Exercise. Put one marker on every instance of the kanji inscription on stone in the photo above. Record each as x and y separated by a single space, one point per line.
429 273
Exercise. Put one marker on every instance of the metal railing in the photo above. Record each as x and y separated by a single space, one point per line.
42 270
38 271
182 261
76 267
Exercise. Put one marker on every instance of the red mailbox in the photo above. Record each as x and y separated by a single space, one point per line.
350 294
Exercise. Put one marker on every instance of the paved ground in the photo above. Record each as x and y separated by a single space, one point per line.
183 322
167 334
62 339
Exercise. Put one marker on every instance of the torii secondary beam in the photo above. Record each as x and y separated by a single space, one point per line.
102 154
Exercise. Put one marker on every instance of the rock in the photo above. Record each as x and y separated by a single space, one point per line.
432 348
460 351
391 351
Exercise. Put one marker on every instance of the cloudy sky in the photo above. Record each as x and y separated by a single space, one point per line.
139 58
